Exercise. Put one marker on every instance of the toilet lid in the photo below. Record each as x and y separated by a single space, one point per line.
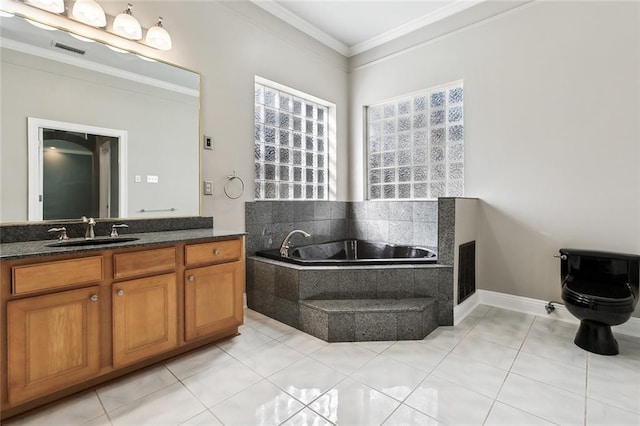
618 294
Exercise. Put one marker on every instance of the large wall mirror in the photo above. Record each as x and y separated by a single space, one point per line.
88 129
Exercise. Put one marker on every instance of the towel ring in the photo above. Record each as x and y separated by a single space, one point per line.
228 189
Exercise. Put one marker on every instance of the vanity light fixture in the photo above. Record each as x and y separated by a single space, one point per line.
55 6
116 49
77 37
4 14
158 37
89 12
125 25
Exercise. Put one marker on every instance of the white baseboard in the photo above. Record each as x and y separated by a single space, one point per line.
530 306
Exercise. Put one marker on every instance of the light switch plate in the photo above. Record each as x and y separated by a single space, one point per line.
208 187
152 179
208 142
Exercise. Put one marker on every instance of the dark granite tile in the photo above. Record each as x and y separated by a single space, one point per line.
261 302
425 211
401 210
445 313
338 210
395 283
318 284
357 229
357 284
376 326
445 284
425 234
446 230
286 311
303 211
258 212
286 283
282 211
264 277
430 318
321 210
314 322
426 282
400 232
249 276
411 325
338 229
342 327
378 230
378 210
322 230
356 210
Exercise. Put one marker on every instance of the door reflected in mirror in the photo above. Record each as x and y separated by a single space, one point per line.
76 170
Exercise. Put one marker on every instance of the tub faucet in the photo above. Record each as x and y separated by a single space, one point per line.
88 228
284 247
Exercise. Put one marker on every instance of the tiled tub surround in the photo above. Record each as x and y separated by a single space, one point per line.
353 303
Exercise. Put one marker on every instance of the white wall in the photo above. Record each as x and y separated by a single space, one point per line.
552 131
229 43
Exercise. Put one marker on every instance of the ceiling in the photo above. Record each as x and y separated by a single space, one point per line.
354 26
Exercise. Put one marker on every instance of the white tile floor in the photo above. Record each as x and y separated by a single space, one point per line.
497 367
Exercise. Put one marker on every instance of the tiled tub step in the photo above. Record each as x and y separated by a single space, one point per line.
358 320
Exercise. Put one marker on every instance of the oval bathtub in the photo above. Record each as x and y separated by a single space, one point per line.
353 252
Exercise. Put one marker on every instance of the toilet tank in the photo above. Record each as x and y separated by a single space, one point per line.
601 266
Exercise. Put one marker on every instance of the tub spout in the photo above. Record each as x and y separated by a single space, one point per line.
284 247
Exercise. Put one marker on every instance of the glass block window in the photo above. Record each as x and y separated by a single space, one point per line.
291 146
416 145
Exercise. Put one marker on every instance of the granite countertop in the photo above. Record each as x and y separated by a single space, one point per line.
40 248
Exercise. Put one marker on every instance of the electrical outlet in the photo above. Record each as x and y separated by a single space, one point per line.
152 179
208 187
137 179
208 142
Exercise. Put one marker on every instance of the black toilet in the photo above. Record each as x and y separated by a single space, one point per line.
600 289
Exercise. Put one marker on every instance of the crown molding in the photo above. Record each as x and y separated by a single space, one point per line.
295 21
416 24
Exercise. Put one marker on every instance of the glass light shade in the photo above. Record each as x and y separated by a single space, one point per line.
55 6
116 49
90 13
86 40
158 38
125 25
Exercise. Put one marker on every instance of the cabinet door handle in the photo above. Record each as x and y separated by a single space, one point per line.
120 293
191 278
216 251
94 298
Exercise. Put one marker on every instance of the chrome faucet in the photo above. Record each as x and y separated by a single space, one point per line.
63 233
114 227
88 228
284 247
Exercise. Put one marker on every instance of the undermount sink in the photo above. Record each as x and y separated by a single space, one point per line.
92 242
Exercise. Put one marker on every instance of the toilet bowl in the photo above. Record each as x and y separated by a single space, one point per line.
601 290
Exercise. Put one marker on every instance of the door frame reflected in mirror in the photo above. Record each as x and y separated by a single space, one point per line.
35 154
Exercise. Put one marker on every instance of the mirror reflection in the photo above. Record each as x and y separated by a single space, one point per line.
156 105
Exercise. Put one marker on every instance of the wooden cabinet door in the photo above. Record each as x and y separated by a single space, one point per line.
212 299
53 341
144 318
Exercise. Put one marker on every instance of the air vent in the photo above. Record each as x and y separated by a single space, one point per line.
70 49
466 270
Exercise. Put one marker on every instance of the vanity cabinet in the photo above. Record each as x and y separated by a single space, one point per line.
52 342
145 319
72 321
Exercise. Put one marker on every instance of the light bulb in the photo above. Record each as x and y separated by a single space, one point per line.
89 12
158 37
125 25
55 6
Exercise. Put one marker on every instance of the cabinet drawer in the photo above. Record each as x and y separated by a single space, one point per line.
143 262
51 275
215 252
